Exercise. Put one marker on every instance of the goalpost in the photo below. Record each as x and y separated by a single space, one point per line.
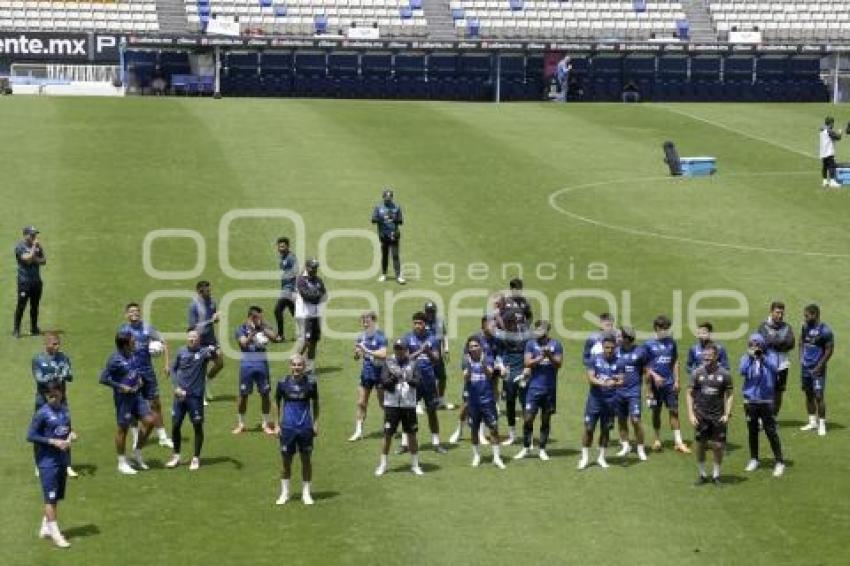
54 78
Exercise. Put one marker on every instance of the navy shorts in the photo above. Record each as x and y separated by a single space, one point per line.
130 407
666 395
539 399
150 387
627 406
813 383
249 376
191 405
369 380
53 483
440 371
478 413
294 440
599 409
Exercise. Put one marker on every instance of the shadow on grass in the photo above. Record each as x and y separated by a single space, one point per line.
324 370
426 467
82 531
237 464
223 399
85 470
562 452
321 495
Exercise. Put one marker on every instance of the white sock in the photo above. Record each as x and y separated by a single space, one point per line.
813 419
414 460
496 450
625 444
404 439
122 460
134 435
460 428
266 419
585 453
435 439
284 486
512 431
53 527
715 473
677 436
822 422
358 427
476 450
384 460
601 453
241 418
305 487
701 468
640 449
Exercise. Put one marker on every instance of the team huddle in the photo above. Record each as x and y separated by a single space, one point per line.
513 360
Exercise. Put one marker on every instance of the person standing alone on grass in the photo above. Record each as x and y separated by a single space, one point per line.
30 257
388 218
828 136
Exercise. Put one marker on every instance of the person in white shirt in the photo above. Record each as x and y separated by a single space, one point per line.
828 137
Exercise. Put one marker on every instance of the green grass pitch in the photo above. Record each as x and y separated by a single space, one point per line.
479 184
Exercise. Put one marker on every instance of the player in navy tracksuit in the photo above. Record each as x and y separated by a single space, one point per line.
663 381
513 340
297 399
189 378
817 344
123 376
479 374
605 375
543 357
760 368
50 432
371 347
387 216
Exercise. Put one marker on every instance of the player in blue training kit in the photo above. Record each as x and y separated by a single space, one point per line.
543 357
371 347
663 378
704 331
124 378
479 374
143 335
52 365
817 344
297 399
189 378
388 218
288 273
436 326
50 433
424 349
492 349
203 316
633 360
593 343
605 375
253 337
513 340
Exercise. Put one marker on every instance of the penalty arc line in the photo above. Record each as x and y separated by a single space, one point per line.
553 198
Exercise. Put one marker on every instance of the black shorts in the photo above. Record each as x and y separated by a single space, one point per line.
782 380
312 329
710 430
406 416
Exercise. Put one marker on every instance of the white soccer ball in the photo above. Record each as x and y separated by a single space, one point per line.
261 339
155 347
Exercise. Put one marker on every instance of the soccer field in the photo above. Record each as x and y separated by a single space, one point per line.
577 195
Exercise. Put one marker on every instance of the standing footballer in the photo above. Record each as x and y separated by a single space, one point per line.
388 218
253 337
709 408
479 374
203 316
311 295
288 273
30 257
371 347
817 344
779 339
663 378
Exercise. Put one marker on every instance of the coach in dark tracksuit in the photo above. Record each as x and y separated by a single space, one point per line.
779 339
30 257
388 217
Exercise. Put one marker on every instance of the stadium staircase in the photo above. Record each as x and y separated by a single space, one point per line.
699 19
440 23
172 16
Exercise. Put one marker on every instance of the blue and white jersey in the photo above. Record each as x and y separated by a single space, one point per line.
815 340
46 368
48 424
632 365
544 374
604 369
371 343
663 355
288 272
480 387
143 334
294 397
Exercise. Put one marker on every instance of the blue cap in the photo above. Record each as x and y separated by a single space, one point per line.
757 338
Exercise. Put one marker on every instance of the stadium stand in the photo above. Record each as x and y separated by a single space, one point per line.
552 19
118 16
784 20
394 18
